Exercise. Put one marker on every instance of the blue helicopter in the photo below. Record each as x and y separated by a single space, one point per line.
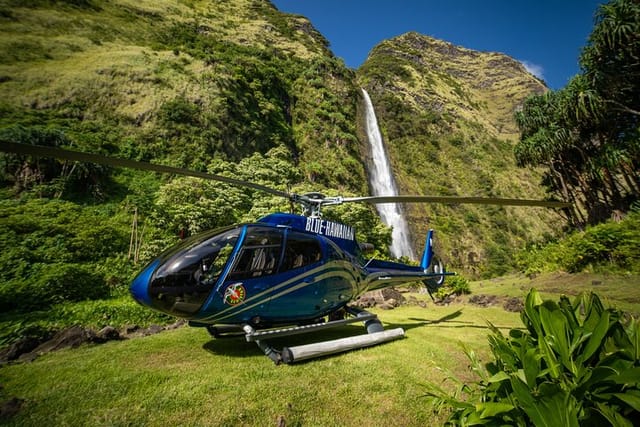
283 275
283 270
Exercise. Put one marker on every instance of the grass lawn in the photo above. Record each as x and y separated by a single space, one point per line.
184 377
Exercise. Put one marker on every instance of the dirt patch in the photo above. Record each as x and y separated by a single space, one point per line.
512 304
10 408
484 300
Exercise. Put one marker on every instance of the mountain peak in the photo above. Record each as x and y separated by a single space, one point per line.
485 87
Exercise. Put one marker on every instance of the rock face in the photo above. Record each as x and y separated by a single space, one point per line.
435 75
447 118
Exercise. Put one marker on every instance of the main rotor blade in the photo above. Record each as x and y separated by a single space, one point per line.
456 200
59 153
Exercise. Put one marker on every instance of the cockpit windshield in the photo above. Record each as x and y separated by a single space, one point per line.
186 275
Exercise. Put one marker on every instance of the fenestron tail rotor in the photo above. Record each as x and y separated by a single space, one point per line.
312 202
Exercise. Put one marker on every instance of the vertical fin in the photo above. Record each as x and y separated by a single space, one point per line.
428 251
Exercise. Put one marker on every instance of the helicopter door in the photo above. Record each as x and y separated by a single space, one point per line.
259 255
297 294
256 264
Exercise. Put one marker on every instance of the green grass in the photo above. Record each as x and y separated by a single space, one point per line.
183 377
621 291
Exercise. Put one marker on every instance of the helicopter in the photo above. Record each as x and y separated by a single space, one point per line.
284 274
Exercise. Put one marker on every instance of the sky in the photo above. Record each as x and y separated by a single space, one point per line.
545 35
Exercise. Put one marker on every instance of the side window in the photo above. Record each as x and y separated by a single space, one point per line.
259 255
300 250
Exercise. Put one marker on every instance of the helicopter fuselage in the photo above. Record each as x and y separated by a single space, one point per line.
283 269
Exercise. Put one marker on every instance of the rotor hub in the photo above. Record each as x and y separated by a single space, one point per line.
312 203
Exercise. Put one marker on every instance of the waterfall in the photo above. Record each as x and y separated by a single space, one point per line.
383 184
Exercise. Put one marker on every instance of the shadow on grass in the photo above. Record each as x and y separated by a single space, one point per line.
233 347
447 321
239 347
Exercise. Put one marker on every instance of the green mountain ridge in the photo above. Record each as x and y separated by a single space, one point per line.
207 85
446 113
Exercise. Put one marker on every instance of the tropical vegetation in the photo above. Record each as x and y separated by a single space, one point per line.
574 364
586 134
446 115
199 85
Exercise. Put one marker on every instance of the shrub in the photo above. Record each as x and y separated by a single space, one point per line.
611 246
54 283
573 364
454 285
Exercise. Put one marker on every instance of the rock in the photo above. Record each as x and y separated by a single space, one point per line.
178 324
28 349
11 407
18 348
108 333
484 300
449 299
28 357
388 297
129 329
390 293
364 301
513 304
152 330
70 337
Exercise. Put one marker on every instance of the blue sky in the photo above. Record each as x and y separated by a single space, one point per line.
545 35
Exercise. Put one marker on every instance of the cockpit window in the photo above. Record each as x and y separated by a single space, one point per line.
260 254
187 274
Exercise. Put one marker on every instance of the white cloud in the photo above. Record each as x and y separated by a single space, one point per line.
534 69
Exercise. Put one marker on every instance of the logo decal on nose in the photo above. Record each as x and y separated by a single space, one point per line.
234 294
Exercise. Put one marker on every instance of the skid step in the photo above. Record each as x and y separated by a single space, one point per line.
253 335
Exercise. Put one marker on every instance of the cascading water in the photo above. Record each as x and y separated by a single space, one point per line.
383 184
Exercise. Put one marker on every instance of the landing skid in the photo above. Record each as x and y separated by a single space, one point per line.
375 335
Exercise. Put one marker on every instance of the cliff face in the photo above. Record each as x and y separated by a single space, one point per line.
446 113
484 88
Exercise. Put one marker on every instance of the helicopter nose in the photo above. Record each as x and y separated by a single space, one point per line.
140 286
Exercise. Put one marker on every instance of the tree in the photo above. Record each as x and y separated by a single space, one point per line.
586 134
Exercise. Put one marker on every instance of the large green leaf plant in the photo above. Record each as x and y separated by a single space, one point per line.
574 364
